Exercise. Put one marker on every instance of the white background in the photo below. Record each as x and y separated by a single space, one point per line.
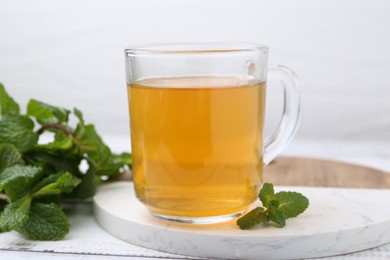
70 53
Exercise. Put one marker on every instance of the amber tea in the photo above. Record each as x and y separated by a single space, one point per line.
197 144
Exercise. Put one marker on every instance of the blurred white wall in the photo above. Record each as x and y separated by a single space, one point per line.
70 53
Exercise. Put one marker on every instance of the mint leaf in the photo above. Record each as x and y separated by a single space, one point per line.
61 143
266 193
7 105
63 182
14 214
47 114
18 130
89 141
291 203
87 187
277 207
52 163
3 203
252 218
273 203
99 155
275 214
127 159
17 180
9 156
109 164
79 115
45 222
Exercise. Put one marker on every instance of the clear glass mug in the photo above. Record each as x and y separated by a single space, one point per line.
196 118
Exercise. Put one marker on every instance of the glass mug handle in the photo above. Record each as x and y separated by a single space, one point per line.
291 112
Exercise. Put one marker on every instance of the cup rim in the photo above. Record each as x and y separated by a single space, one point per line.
195 48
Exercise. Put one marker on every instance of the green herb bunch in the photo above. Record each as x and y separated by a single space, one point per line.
35 177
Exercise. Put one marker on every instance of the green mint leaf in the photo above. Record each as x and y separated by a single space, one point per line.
45 222
275 214
109 164
127 159
63 182
291 203
18 180
79 115
3 203
18 130
15 213
273 203
47 114
54 162
63 144
252 218
279 207
9 156
80 128
7 105
266 193
88 141
87 188
99 155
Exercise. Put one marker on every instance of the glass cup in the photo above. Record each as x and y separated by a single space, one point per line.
197 120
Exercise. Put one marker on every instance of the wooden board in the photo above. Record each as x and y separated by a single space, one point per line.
297 171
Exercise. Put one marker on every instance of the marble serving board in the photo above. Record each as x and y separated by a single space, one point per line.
338 221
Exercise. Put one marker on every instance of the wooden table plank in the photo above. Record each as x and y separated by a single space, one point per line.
298 171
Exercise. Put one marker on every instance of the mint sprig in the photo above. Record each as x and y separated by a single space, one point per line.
277 208
36 177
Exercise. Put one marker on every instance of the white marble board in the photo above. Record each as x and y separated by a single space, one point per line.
338 221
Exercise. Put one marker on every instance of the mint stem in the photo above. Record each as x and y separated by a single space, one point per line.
56 126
